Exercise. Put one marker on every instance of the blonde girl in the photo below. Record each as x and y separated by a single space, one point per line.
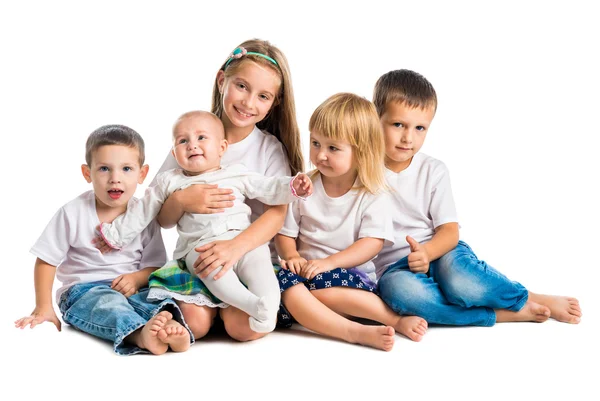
254 99
327 242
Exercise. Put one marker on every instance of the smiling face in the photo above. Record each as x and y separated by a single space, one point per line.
199 143
115 172
404 131
248 94
333 158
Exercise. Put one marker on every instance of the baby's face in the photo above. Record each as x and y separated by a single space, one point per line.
115 173
404 130
199 144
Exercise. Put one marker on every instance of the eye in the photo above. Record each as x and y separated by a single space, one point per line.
333 148
265 97
398 125
241 85
103 169
181 141
315 144
127 169
420 128
201 137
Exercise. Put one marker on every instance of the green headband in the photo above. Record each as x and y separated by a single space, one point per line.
238 52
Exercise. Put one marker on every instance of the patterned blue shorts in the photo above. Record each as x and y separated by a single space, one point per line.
352 278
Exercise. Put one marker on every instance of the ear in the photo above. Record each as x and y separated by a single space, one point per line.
224 146
220 80
87 174
143 174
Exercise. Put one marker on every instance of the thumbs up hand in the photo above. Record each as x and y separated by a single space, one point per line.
418 260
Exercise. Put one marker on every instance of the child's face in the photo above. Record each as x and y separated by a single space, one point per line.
115 173
333 158
199 144
248 94
404 130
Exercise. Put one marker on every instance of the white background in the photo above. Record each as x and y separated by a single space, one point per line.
517 126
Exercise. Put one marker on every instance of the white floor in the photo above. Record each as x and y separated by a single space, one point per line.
509 361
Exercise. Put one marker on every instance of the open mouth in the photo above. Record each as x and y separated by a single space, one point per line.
115 193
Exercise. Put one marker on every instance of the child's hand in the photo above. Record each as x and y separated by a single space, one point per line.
418 260
205 199
316 266
99 242
38 316
302 185
215 254
127 284
294 264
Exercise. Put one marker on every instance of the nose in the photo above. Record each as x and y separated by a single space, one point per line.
407 136
321 155
115 177
248 100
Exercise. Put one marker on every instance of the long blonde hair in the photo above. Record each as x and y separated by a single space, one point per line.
348 117
281 119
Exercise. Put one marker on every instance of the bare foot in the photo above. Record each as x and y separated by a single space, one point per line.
175 335
413 327
380 337
563 309
531 312
147 339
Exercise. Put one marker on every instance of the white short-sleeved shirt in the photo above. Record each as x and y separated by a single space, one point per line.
422 200
67 244
261 153
325 226
197 229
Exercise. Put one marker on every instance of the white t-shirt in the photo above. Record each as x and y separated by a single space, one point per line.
422 200
261 153
325 226
198 229
67 243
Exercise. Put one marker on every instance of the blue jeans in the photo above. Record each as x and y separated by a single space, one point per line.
459 290
98 310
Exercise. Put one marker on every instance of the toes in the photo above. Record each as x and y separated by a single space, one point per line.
162 335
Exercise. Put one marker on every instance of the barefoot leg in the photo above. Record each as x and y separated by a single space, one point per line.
146 337
364 304
315 316
563 309
531 312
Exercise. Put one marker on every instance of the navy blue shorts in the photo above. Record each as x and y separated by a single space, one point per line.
352 278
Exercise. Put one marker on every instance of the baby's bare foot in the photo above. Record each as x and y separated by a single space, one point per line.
413 327
380 337
563 309
175 335
531 312
147 339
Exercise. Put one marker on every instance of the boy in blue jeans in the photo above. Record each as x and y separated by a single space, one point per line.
428 272
104 294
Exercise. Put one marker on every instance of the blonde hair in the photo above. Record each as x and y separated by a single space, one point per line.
352 118
281 119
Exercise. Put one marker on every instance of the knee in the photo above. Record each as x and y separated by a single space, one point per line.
461 289
198 318
238 327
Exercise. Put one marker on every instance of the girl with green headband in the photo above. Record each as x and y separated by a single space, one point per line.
253 97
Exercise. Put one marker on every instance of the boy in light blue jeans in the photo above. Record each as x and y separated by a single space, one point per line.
105 294
428 272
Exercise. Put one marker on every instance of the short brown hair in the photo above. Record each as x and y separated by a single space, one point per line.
114 135
405 87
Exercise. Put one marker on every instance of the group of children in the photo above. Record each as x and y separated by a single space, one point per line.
371 233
